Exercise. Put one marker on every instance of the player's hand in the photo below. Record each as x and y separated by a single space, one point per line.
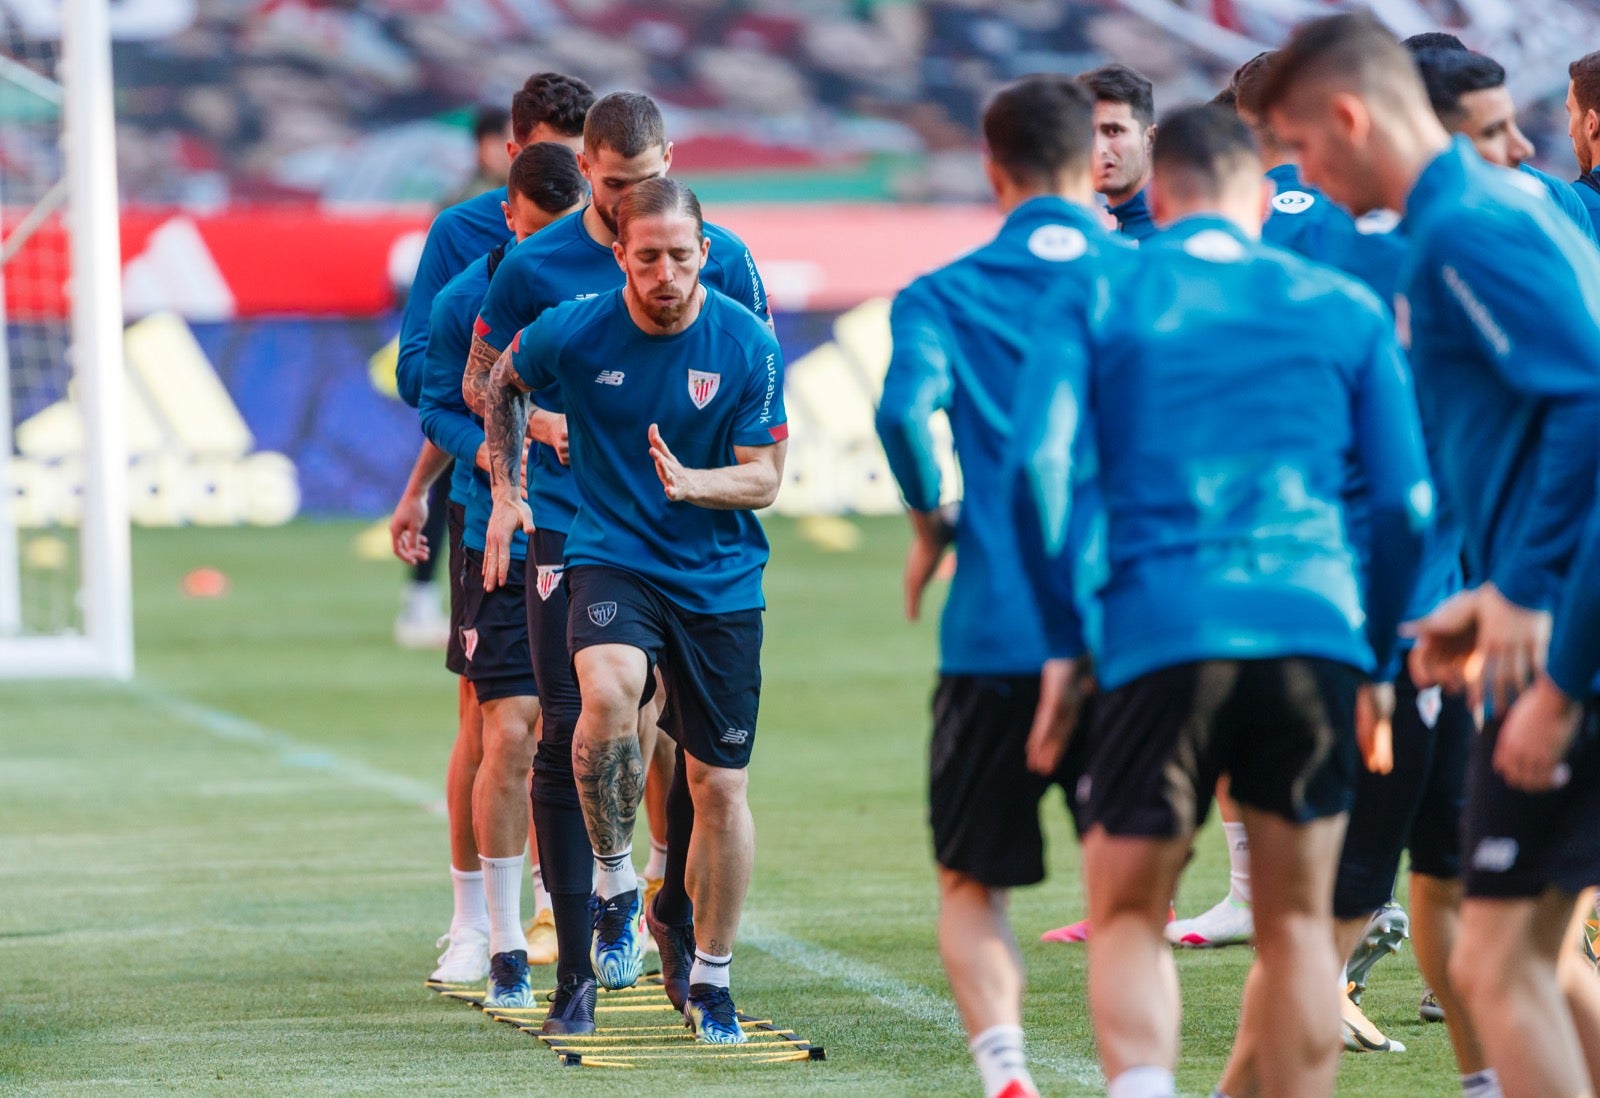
931 535
1064 685
1445 640
676 481
405 529
550 428
1535 738
1512 644
1375 726
508 516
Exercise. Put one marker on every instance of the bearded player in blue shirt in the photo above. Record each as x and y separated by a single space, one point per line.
625 143
663 564
959 337
1237 626
488 770
1511 394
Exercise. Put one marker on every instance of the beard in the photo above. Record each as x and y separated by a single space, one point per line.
666 315
608 218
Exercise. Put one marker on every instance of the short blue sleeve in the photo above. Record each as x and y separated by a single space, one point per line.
509 304
536 349
761 419
737 277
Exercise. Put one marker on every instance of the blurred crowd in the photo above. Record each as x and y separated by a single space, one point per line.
358 101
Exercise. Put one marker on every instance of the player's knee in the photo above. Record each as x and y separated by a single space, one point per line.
718 790
1297 934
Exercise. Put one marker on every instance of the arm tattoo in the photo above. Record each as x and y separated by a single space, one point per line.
611 781
475 381
505 422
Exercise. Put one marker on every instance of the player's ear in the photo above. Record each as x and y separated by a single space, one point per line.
705 250
666 159
1149 137
505 211
1591 124
617 250
512 149
1351 117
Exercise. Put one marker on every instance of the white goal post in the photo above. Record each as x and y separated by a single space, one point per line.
94 637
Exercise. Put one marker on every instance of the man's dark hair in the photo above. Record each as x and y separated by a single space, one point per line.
1354 47
627 123
1248 80
1585 76
559 101
1227 98
489 122
546 173
1039 128
1200 149
1450 74
1433 40
1116 83
653 197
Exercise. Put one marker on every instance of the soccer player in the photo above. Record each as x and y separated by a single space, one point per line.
624 144
1415 804
1124 123
1583 126
1468 92
544 185
666 363
548 107
1511 394
1236 634
959 337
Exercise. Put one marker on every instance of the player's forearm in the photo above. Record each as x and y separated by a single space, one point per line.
1531 573
475 379
748 486
505 425
452 431
431 461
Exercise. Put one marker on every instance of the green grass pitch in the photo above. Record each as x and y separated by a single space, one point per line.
227 878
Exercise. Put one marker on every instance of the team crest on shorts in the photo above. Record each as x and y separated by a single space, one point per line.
469 642
702 387
603 613
549 577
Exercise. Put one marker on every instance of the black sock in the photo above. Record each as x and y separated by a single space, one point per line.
574 930
672 904
567 864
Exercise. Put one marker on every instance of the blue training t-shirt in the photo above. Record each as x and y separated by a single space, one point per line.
1225 438
446 420
1587 188
1566 196
564 263
460 234
960 334
1509 386
716 385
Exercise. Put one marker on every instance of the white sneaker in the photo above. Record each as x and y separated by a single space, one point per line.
422 622
1228 923
465 959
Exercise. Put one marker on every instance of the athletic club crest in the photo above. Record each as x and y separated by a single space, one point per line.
603 613
549 578
702 387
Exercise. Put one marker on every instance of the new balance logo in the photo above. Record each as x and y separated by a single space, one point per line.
1495 855
609 377
735 736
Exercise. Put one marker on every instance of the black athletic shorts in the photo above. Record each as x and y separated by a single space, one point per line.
494 634
1283 730
710 663
983 801
455 657
1416 806
546 593
1518 844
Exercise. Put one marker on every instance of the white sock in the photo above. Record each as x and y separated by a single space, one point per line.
614 873
472 904
1238 862
1142 1082
1481 1084
656 867
541 894
708 968
998 1053
502 879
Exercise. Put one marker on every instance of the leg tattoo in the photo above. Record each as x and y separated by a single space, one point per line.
611 778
